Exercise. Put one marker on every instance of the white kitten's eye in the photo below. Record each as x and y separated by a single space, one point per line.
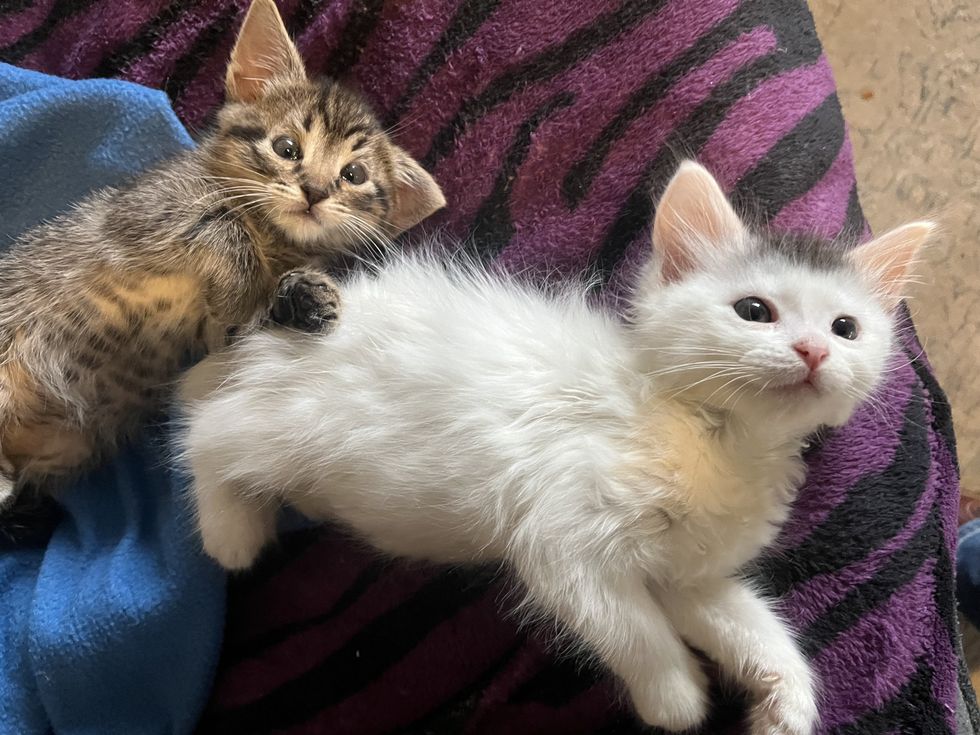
753 309
845 326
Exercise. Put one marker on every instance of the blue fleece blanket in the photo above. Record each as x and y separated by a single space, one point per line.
113 623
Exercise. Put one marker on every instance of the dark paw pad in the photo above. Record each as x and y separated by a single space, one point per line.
307 301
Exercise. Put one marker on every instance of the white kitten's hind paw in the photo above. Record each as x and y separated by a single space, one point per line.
789 708
674 700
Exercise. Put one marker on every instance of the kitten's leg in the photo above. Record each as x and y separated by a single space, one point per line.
306 300
739 630
234 527
616 616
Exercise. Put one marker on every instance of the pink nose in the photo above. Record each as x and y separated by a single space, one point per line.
811 353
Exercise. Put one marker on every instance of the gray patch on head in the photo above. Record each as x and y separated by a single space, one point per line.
809 251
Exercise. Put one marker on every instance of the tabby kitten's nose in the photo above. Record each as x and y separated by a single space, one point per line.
314 195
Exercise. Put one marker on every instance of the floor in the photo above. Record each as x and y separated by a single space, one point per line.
909 79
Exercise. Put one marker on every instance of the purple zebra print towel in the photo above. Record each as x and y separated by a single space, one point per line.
548 123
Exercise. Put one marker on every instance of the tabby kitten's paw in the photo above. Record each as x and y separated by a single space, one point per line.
306 300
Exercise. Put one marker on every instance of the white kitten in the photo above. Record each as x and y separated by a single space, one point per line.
624 472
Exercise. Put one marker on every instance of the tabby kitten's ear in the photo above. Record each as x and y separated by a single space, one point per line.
416 194
694 222
262 53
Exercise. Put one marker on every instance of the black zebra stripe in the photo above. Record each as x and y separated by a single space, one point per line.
255 647
187 66
945 587
62 10
493 226
364 658
627 724
544 65
797 163
861 517
899 570
466 21
141 43
454 714
578 180
893 715
12 7
274 561
303 16
854 219
791 28
942 411
363 18
562 680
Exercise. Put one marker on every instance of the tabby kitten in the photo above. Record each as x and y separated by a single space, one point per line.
99 306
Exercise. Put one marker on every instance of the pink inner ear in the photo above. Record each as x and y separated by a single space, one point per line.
889 259
694 220
262 52
675 261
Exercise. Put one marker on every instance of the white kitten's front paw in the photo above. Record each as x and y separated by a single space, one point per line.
788 707
235 535
675 700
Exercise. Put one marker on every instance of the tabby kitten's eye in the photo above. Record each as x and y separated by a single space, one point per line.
286 147
753 309
845 326
354 173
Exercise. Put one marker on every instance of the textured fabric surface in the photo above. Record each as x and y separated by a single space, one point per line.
100 613
548 124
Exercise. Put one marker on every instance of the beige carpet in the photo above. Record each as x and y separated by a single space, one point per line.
909 78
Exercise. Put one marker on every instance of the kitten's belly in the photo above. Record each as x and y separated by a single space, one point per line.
407 529
87 370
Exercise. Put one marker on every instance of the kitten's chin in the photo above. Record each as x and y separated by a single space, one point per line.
795 409
803 409
311 230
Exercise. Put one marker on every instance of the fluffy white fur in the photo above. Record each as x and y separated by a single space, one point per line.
624 472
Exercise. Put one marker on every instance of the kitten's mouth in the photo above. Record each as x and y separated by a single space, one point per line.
308 216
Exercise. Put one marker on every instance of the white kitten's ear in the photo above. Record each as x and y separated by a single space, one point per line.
694 221
416 194
263 52
888 260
